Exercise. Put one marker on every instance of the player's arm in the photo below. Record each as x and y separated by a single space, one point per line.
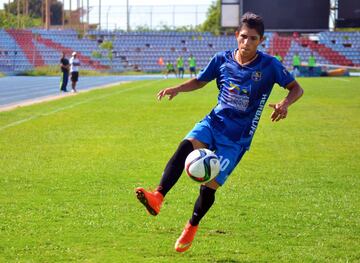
281 108
190 85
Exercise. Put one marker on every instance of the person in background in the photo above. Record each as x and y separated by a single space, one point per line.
180 67
278 57
311 64
296 64
74 70
169 69
192 65
64 66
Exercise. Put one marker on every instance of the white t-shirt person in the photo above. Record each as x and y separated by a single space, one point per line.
74 63
74 70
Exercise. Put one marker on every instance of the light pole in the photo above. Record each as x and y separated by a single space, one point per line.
107 18
127 16
99 15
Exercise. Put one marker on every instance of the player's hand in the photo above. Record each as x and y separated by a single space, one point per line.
280 110
171 92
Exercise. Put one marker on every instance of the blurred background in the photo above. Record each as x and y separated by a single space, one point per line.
142 36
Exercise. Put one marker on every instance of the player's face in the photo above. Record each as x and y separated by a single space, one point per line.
248 40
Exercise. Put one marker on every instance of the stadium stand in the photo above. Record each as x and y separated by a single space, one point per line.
22 50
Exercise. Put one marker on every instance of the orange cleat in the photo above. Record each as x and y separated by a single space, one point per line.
151 200
187 236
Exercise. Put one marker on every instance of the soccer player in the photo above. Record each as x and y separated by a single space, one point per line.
245 78
311 64
296 64
169 69
192 65
180 66
64 65
74 70
278 57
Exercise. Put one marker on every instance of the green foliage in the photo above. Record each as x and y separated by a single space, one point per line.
69 169
96 54
107 45
10 21
42 71
213 21
35 10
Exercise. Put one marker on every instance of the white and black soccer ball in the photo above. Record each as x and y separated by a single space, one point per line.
202 165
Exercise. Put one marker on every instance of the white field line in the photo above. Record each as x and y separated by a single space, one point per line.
73 105
342 79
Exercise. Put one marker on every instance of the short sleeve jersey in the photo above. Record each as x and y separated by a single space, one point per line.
243 92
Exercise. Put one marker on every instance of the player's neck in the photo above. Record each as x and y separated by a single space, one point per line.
245 60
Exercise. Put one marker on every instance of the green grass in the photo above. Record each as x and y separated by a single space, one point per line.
68 170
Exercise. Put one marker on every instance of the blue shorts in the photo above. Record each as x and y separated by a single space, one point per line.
228 151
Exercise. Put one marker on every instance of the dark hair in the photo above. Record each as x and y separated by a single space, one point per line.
252 21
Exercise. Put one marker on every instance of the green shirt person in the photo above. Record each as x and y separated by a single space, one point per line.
296 61
180 66
278 57
312 61
311 64
192 65
169 68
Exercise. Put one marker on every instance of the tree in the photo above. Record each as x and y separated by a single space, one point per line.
213 21
35 10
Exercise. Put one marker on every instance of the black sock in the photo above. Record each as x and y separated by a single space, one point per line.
175 167
203 204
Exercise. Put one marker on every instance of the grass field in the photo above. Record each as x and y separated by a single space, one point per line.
68 170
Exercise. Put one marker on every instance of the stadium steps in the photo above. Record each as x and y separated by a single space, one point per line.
281 45
331 55
24 39
85 60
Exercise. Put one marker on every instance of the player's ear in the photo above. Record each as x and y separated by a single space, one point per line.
237 32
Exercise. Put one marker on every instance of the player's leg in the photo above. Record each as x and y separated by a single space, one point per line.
199 137
173 170
230 154
202 205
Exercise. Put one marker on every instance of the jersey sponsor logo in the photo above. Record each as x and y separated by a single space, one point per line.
233 88
238 97
256 119
256 76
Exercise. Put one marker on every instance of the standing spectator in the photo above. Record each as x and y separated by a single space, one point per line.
169 68
278 57
64 65
192 65
180 66
311 64
74 70
296 64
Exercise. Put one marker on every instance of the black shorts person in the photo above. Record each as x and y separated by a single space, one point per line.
74 76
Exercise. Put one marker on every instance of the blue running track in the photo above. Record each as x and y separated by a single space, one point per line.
18 90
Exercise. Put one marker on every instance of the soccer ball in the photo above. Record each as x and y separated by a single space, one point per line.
202 165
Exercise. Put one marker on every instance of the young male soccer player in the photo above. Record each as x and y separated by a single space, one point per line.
245 78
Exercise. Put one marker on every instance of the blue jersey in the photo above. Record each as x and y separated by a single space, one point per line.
243 92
